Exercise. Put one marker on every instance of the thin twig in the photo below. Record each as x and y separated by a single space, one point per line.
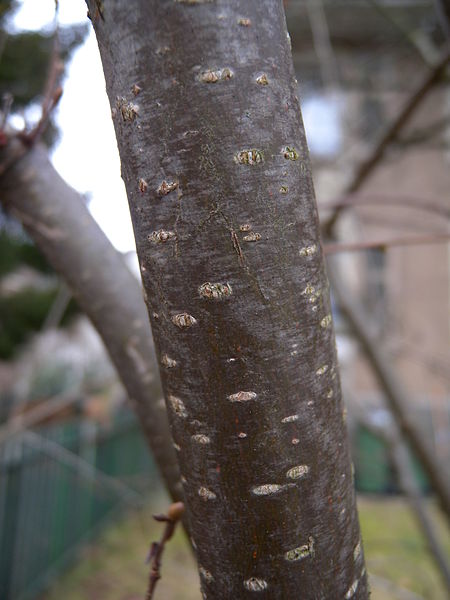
58 307
410 106
7 101
174 514
384 244
37 415
322 44
417 39
409 202
443 13
52 95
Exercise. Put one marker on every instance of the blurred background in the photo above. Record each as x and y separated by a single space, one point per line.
78 486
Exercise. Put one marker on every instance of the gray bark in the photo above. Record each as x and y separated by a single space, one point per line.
216 167
58 221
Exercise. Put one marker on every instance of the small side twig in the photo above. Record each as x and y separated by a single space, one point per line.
174 514
435 238
52 95
6 108
367 166
407 202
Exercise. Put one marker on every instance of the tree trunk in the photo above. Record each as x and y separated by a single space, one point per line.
216 167
61 226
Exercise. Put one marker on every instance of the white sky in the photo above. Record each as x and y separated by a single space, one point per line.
87 156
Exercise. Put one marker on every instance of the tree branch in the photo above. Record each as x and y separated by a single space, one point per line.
435 238
174 514
58 221
410 202
367 166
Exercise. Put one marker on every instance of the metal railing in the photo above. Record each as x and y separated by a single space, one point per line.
58 486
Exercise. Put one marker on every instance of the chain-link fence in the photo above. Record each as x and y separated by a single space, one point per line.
58 486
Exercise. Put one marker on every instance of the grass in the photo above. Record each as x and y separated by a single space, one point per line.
396 551
114 567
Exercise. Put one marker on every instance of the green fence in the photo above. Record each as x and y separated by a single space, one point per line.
58 486
373 469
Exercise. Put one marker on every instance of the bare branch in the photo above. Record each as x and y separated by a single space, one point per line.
410 202
58 221
36 415
52 94
412 103
434 238
418 40
396 396
174 514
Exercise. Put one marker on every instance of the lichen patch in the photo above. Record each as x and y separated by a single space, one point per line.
216 75
322 370
242 396
297 472
161 236
357 551
128 110
352 590
326 321
252 237
184 320
249 157
290 419
255 584
308 250
206 575
202 439
215 291
143 185
206 494
268 489
290 153
262 79
168 362
166 187
301 552
178 406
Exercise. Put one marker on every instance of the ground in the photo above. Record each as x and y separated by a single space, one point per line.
114 567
